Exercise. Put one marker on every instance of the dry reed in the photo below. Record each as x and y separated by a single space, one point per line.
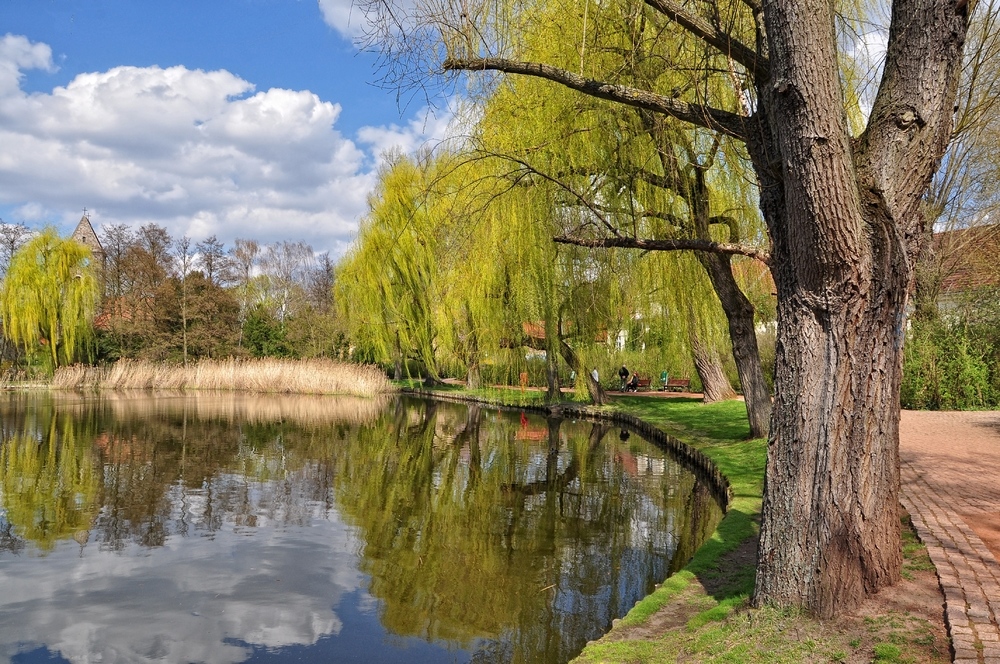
265 376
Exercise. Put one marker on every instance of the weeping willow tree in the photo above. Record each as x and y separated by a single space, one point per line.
386 284
617 174
521 293
49 298
843 209
496 278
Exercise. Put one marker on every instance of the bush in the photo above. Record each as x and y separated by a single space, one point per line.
953 363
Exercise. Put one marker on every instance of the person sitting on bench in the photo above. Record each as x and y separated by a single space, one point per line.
633 384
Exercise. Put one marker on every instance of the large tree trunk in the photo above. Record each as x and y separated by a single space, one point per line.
830 530
845 223
714 382
594 389
473 378
844 215
553 393
740 317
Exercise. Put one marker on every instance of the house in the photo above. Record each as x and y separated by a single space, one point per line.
961 262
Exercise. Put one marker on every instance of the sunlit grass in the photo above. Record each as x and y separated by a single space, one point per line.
265 376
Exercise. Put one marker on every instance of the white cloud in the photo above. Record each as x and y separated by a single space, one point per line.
196 599
18 54
199 152
345 17
428 129
367 21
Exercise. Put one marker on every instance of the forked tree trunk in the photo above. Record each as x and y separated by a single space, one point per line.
844 215
714 381
845 221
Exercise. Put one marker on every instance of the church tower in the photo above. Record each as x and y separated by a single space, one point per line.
84 234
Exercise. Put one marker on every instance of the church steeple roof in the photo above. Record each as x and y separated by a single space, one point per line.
84 234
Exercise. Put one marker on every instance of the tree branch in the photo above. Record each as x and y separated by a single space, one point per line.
708 33
715 119
667 245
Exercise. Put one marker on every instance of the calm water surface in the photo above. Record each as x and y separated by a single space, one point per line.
256 529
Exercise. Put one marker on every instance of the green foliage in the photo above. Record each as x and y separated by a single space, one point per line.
953 362
887 652
49 297
386 284
264 336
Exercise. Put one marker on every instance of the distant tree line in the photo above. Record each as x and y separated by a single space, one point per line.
161 298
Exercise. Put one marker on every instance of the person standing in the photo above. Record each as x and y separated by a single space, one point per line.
623 375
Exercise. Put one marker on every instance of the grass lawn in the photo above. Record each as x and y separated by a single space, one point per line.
702 614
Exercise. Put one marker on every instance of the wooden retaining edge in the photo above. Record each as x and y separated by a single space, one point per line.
695 458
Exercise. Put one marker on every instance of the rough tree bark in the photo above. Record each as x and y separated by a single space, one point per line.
845 224
714 382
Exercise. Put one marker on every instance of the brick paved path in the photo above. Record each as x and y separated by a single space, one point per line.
950 467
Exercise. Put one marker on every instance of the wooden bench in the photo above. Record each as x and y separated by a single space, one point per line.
681 384
642 383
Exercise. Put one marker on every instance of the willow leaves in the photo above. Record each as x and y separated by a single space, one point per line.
49 297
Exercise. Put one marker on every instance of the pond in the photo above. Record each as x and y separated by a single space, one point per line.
238 528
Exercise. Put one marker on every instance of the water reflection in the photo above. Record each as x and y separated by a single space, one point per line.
188 529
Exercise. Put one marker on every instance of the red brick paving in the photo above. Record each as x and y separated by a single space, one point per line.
950 471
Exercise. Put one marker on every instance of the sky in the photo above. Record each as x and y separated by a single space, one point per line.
258 119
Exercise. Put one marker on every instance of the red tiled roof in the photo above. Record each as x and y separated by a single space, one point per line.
970 258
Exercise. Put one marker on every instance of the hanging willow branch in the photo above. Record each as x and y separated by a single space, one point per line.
49 297
713 36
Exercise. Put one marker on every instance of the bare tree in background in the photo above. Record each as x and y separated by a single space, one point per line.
212 258
12 238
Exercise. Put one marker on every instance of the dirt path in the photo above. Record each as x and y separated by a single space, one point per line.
950 466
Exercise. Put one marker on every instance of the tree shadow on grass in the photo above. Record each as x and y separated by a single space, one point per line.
726 564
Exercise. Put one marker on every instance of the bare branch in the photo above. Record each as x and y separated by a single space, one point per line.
715 119
708 33
582 199
666 245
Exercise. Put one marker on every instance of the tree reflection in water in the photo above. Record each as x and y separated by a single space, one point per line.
507 536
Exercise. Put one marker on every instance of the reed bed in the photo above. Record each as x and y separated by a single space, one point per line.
264 376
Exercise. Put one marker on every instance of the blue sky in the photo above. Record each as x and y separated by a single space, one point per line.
239 118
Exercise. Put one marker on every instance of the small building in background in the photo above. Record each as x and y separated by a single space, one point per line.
84 234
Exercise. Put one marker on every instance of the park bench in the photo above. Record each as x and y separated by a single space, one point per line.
681 384
642 383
